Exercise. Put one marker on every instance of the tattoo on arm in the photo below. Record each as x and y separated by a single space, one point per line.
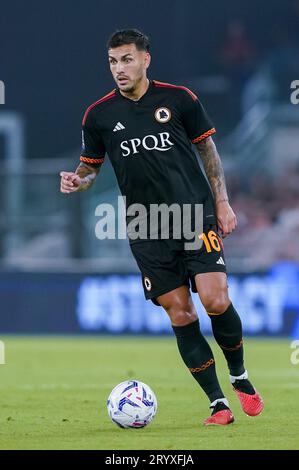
88 174
213 168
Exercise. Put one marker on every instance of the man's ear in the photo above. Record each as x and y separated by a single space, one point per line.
148 59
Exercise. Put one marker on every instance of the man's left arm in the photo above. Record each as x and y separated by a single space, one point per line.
226 218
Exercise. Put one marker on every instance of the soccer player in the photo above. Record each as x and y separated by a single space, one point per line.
147 128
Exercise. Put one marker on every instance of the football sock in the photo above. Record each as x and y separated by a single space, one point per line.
227 330
219 405
198 357
242 383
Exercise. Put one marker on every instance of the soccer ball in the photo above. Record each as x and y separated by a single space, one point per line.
132 404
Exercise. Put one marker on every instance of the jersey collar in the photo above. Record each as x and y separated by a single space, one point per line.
148 92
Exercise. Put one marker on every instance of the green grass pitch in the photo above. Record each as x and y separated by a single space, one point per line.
53 393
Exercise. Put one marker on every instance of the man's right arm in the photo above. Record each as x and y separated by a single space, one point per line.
92 156
81 180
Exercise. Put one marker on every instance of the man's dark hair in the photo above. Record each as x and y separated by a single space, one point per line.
129 36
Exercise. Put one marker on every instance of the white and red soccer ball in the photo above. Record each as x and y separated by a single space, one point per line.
132 404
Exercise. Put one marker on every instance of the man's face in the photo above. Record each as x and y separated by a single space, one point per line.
128 66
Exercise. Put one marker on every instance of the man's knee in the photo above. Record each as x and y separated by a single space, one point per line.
179 306
180 317
181 313
216 303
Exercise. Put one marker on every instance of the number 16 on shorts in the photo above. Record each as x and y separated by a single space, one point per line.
211 241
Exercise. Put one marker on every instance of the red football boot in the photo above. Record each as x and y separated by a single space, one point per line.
251 401
252 404
221 415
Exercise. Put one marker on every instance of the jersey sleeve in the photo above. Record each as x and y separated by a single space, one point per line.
93 148
196 121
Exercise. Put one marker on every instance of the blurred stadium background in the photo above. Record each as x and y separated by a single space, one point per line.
55 275
57 278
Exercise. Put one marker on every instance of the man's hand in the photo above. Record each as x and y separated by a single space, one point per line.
70 182
81 180
226 219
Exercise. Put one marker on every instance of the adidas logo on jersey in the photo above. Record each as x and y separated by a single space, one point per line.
220 261
119 127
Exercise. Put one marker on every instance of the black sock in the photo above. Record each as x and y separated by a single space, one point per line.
227 330
198 357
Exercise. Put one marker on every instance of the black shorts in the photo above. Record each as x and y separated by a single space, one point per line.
165 264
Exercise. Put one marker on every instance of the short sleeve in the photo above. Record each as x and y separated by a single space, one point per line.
93 148
195 119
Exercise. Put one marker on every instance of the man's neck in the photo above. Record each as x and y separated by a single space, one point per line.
138 92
